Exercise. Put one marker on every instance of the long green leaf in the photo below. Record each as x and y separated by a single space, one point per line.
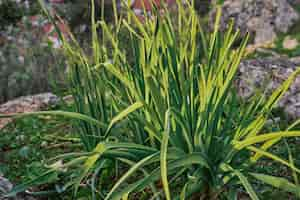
274 157
278 182
246 184
129 173
71 115
90 162
124 114
163 156
264 137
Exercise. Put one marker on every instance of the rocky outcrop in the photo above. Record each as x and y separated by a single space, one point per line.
267 74
262 18
27 104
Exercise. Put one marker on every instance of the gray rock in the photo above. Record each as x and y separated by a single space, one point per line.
296 60
263 18
267 74
5 186
27 104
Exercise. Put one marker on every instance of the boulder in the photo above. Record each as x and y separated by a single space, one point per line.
27 104
262 18
267 74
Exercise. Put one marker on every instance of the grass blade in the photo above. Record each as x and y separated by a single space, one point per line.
71 115
123 114
163 156
278 182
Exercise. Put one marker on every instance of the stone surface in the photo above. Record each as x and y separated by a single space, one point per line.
5 186
27 104
267 74
262 18
296 60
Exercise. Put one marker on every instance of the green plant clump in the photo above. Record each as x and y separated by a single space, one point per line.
169 124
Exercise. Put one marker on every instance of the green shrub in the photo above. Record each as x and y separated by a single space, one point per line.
172 117
12 12
9 13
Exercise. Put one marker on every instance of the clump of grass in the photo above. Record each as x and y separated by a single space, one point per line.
172 116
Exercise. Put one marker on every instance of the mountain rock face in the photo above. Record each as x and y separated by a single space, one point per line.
262 18
267 74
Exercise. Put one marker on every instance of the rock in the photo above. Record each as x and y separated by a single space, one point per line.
267 74
27 104
251 48
262 18
68 99
295 60
5 186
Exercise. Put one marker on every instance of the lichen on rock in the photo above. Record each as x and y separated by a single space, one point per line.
262 18
267 74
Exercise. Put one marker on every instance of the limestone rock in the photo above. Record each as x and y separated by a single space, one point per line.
267 74
295 60
27 104
262 18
